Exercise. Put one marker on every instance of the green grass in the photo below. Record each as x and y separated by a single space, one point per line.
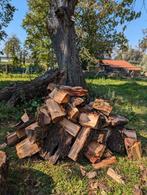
33 176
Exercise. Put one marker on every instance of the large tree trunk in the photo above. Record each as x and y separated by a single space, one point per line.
61 29
27 91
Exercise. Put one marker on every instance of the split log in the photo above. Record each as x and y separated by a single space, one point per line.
107 154
12 139
129 142
102 134
72 113
115 176
102 106
135 151
36 133
89 120
56 144
35 88
70 127
95 151
79 143
59 96
55 110
25 117
51 86
43 116
117 120
105 163
86 108
26 148
115 142
3 173
77 101
129 133
20 129
75 91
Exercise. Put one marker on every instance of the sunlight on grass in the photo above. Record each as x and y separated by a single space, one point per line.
34 176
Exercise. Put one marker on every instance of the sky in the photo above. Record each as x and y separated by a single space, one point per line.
133 32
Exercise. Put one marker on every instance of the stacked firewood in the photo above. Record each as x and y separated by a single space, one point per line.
69 125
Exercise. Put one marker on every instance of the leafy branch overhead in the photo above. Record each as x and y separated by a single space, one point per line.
6 15
96 26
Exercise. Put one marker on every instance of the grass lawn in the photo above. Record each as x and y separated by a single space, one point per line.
33 176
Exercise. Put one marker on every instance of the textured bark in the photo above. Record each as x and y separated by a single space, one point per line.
3 173
61 29
27 91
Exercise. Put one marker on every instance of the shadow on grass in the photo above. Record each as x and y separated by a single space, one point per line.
29 181
132 92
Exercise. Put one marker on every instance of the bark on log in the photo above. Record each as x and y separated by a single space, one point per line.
3 173
27 91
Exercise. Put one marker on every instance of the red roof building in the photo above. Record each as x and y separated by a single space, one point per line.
120 64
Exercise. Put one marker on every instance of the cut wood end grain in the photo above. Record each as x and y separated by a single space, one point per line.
26 148
115 176
105 163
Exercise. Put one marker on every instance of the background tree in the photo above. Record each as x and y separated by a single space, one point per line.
12 49
131 55
38 41
143 42
6 15
96 26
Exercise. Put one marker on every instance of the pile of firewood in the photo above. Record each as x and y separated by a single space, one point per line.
69 125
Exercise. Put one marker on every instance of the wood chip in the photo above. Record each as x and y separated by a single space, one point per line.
115 176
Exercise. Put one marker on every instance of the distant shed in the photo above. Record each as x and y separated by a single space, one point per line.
119 66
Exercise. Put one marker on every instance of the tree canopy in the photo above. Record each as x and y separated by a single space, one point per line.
6 15
96 21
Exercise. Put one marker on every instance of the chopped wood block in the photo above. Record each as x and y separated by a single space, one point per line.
21 133
115 142
117 120
107 154
95 151
102 136
3 173
12 139
51 86
129 142
77 101
32 126
26 148
20 129
85 108
115 176
70 127
73 113
135 152
56 144
59 96
75 91
79 143
25 117
43 117
130 133
102 106
105 163
89 120
55 110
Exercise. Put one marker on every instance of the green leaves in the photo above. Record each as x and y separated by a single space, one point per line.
6 15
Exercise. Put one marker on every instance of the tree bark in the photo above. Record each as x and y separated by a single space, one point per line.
3 173
27 91
61 29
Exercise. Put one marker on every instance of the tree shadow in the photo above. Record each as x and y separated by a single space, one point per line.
130 91
28 181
